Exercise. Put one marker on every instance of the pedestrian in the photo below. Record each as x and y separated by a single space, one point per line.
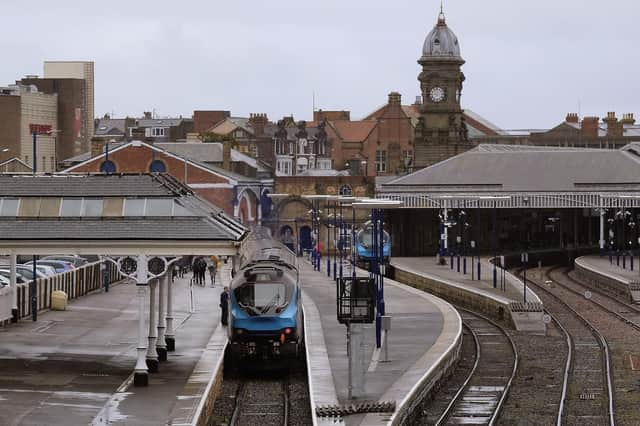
212 273
224 306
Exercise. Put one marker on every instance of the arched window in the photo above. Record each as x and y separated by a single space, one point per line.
346 191
108 166
157 166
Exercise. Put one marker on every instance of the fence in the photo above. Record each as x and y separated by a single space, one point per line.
77 282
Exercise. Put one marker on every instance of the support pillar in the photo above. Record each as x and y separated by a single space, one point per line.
601 229
161 347
141 374
14 288
152 357
446 233
169 336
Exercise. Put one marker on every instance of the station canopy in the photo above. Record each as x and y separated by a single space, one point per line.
106 214
512 176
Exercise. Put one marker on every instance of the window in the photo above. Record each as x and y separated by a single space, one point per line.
53 164
346 191
108 166
134 207
254 150
157 166
159 207
71 207
381 161
9 207
407 157
26 159
44 163
158 131
92 208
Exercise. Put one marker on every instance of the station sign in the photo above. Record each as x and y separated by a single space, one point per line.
40 129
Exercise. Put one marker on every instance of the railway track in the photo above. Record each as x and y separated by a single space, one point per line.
261 402
624 311
588 380
481 396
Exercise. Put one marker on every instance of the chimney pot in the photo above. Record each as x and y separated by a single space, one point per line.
572 117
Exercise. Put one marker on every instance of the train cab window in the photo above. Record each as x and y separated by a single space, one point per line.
260 295
366 239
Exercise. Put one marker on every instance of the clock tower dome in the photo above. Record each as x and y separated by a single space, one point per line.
441 131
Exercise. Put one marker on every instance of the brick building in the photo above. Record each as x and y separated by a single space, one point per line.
23 111
73 137
236 194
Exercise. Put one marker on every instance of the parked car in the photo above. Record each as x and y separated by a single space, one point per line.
76 261
59 265
49 271
4 281
26 271
20 279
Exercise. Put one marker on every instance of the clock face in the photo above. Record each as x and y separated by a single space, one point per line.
437 94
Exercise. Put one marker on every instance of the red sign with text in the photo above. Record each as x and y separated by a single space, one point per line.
40 129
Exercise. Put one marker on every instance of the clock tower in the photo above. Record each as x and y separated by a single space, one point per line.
441 131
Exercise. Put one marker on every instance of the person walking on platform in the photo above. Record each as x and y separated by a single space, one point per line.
224 306
213 269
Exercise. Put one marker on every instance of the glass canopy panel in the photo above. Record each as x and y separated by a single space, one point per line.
50 207
112 207
71 207
9 207
134 207
159 207
179 210
29 207
93 207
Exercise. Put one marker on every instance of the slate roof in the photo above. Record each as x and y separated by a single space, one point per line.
201 152
110 126
181 228
97 185
353 131
199 220
527 169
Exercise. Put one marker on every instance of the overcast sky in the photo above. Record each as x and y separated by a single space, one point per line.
528 63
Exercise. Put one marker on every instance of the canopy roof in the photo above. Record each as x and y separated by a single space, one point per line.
568 177
111 214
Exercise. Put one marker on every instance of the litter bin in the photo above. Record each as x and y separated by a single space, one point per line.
58 300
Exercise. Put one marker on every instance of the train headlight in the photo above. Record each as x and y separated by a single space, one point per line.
287 331
239 330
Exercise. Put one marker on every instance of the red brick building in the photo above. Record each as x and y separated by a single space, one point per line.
237 195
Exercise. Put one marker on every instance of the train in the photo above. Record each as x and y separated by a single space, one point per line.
265 308
364 245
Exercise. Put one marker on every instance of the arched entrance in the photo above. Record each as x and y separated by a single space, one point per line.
305 239
287 237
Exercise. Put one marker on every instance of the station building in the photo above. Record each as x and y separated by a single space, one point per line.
512 198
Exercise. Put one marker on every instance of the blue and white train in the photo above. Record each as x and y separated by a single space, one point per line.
364 245
265 310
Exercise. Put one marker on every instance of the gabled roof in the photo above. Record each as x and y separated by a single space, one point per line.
110 126
353 131
189 218
15 160
526 169
231 124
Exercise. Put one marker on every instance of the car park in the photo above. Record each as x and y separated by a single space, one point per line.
59 266
76 261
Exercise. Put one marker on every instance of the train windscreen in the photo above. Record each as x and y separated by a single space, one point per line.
263 297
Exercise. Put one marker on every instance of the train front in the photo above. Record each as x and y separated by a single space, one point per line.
265 317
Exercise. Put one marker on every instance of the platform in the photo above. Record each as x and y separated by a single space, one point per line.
74 366
504 303
604 272
423 343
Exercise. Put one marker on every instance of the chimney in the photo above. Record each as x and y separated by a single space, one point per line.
226 155
614 127
97 146
418 100
572 117
628 119
147 115
395 98
258 122
590 127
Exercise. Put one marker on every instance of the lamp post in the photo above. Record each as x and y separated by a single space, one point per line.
377 207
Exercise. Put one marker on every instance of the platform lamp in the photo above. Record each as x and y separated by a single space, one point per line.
332 225
279 197
494 242
315 200
377 207
344 202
